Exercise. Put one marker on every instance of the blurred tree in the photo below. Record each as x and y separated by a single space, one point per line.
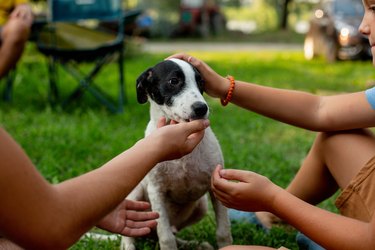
284 14
282 8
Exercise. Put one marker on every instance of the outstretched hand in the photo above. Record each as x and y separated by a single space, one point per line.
243 190
130 218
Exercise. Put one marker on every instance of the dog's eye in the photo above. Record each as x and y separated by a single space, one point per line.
173 81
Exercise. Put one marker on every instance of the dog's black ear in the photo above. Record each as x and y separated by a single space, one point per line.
199 79
142 82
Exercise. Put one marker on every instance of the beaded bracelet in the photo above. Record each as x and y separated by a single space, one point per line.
230 91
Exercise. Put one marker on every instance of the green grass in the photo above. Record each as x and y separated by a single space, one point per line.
67 143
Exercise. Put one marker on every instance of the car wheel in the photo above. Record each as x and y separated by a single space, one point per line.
309 48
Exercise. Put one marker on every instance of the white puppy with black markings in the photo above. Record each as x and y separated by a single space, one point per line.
177 189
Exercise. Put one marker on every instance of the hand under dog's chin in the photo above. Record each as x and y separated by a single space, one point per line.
184 117
179 120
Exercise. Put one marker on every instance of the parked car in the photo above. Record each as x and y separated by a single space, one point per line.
334 34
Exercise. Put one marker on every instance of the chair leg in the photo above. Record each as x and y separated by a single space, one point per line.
53 93
122 93
95 91
86 83
8 89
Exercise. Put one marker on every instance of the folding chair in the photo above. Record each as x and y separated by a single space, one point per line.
68 40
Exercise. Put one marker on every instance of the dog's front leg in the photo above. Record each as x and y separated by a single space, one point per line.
128 243
223 228
167 240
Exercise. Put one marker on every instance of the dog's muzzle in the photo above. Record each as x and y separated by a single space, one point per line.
199 110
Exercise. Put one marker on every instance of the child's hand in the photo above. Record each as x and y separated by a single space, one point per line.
243 190
130 218
172 141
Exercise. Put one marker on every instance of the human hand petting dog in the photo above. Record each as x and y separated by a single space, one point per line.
130 218
243 190
175 140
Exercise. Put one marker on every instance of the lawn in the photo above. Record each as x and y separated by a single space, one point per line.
66 143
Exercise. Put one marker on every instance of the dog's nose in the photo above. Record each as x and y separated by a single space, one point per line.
199 110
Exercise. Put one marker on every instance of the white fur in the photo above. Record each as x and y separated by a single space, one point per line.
177 189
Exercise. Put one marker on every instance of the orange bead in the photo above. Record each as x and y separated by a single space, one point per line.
230 91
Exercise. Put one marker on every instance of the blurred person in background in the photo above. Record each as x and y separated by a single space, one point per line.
16 18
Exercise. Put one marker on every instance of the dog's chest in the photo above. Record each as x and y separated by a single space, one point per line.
188 178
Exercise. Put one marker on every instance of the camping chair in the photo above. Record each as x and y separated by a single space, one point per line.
68 39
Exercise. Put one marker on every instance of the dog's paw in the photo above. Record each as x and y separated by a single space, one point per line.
127 246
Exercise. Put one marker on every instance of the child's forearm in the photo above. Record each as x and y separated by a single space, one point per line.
328 229
102 189
57 215
6 244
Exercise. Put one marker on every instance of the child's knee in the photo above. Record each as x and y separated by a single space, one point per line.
16 31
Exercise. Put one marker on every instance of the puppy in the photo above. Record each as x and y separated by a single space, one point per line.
177 189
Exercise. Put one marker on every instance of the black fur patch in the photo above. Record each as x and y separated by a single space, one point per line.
163 82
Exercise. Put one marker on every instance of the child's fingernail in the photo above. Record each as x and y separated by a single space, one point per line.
222 172
206 123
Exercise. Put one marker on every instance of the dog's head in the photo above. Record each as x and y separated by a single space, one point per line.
176 87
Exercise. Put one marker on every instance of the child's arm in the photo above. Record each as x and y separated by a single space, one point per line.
248 191
36 214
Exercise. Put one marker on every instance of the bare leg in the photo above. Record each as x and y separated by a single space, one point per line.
8 245
333 161
14 36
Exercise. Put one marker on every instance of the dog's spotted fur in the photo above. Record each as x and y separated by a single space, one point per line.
177 189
